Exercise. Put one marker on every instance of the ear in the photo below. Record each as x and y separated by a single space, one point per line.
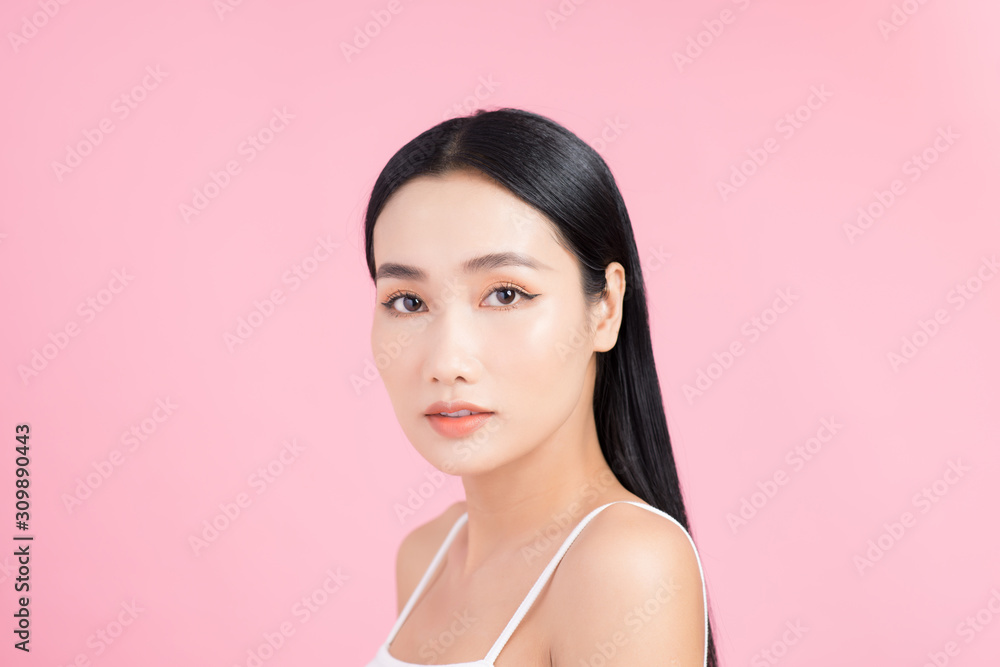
608 310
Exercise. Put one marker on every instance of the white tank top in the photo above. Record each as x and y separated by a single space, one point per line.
384 659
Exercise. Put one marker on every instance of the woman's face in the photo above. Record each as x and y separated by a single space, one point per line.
478 303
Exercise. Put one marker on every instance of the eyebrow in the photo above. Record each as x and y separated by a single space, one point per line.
493 260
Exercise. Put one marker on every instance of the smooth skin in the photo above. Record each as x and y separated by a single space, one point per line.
519 341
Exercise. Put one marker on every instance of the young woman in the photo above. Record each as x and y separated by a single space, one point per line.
508 279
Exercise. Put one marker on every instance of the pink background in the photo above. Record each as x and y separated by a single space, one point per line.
673 130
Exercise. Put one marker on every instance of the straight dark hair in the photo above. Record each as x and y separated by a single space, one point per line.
557 173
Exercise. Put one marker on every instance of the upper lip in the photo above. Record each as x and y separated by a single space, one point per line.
453 406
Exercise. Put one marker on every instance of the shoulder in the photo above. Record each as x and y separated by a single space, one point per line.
418 548
630 582
627 538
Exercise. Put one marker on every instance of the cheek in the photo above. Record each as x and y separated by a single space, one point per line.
545 349
392 349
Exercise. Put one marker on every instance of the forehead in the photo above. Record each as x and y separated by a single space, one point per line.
448 218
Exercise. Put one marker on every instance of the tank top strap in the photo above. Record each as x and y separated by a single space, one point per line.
542 580
550 568
427 576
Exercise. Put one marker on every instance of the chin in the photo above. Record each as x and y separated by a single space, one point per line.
479 452
457 458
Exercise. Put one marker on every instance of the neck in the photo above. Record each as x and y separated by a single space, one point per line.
525 508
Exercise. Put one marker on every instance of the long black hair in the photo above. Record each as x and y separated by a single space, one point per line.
557 173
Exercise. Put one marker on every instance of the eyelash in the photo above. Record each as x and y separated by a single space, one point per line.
398 294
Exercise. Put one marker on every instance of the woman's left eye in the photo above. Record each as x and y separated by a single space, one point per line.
508 296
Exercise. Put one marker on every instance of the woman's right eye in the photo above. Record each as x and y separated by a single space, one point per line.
401 303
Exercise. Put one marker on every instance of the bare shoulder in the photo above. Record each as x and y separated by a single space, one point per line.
630 583
418 548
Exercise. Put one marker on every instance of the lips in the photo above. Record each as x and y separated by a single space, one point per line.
466 418
453 407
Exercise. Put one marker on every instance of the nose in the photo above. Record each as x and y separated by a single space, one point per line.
452 347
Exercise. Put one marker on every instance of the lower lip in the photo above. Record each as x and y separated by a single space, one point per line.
458 427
